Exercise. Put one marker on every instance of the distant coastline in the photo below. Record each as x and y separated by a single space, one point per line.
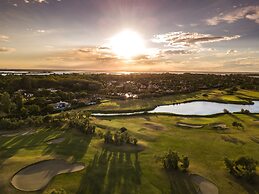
50 72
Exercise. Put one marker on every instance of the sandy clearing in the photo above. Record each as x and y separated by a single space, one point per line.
56 140
36 176
205 186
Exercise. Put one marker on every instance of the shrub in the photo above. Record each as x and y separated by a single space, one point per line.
243 167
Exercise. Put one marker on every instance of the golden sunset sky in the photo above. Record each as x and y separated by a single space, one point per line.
130 35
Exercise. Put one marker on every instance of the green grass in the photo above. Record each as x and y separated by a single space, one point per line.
119 171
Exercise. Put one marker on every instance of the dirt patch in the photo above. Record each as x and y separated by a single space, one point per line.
56 140
187 125
153 126
233 140
36 176
205 186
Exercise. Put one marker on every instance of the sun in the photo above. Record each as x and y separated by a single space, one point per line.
127 44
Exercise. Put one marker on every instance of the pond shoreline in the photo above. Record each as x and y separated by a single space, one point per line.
149 111
173 103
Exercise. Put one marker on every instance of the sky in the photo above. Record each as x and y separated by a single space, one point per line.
130 35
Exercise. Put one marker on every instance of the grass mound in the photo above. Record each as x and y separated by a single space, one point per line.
36 176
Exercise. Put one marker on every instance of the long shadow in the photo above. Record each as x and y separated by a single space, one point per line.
11 145
251 187
253 116
235 117
180 183
75 146
111 172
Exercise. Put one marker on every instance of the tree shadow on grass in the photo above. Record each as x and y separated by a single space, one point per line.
251 187
180 183
73 146
235 117
11 145
111 172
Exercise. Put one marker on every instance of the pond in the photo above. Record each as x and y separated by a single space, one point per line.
193 108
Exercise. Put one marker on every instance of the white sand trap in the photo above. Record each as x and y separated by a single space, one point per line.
205 186
194 126
36 176
56 141
219 126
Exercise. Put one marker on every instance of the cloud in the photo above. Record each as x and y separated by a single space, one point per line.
39 1
177 52
231 51
6 50
4 38
249 12
182 40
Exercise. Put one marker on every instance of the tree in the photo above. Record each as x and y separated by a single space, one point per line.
6 102
171 161
237 125
123 129
23 112
135 141
108 137
49 109
185 163
26 83
18 99
34 109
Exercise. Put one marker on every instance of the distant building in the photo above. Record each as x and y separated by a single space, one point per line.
62 105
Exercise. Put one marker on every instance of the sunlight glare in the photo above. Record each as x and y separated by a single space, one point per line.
127 44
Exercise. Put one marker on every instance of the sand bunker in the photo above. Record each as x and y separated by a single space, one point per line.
56 140
194 126
36 176
205 186
219 126
153 126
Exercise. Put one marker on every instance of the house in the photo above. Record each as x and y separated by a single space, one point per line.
62 105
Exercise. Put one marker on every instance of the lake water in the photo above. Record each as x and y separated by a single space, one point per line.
193 108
